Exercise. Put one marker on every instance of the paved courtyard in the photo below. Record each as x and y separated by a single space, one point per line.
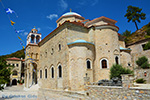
18 93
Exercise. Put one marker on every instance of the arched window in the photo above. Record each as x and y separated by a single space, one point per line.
116 59
32 38
60 71
37 39
40 73
52 72
104 63
45 73
88 63
14 72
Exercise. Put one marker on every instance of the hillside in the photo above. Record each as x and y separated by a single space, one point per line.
18 54
140 34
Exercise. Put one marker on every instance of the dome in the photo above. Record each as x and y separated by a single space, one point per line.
80 41
34 30
71 13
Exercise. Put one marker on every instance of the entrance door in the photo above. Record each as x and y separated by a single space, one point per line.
34 75
14 82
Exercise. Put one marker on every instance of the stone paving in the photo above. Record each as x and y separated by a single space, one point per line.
18 93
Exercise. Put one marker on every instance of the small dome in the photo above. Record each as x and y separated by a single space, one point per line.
80 41
71 13
34 30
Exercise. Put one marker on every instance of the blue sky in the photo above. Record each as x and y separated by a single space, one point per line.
43 15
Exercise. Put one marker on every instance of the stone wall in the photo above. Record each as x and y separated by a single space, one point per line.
119 93
142 73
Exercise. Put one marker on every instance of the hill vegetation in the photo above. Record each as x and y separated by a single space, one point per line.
138 35
17 54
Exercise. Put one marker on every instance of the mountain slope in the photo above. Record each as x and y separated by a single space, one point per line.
138 35
17 54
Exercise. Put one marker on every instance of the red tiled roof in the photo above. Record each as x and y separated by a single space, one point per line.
23 59
101 18
108 25
13 58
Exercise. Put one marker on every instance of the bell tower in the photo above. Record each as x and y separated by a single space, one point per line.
32 58
33 37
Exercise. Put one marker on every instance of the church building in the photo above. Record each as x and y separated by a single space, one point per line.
77 51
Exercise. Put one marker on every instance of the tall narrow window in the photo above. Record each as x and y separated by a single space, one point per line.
116 59
59 71
59 47
37 39
88 64
104 63
32 38
40 73
45 73
52 71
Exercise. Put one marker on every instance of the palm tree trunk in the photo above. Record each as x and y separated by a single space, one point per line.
136 25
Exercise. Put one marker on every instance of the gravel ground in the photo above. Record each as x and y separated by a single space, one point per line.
18 93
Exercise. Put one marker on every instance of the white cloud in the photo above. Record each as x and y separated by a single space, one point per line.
25 33
39 29
63 4
52 16
88 2
94 2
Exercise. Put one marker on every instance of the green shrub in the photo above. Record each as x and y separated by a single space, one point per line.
147 46
126 33
148 31
116 71
18 81
143 62
141 80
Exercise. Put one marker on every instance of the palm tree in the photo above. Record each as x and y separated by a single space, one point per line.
134 14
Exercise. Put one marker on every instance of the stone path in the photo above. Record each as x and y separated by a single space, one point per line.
18 93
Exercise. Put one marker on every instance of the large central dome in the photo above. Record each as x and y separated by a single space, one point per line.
71 13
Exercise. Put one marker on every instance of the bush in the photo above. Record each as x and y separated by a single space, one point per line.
148 31
141 80
147 46
143 62
116 71
18 81
126 33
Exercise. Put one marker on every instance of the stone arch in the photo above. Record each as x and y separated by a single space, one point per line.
14 82
37 39
34 72
32 38
116 52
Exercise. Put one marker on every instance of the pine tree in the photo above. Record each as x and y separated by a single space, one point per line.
5 72
134 14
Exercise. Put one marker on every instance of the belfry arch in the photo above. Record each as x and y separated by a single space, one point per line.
34 73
